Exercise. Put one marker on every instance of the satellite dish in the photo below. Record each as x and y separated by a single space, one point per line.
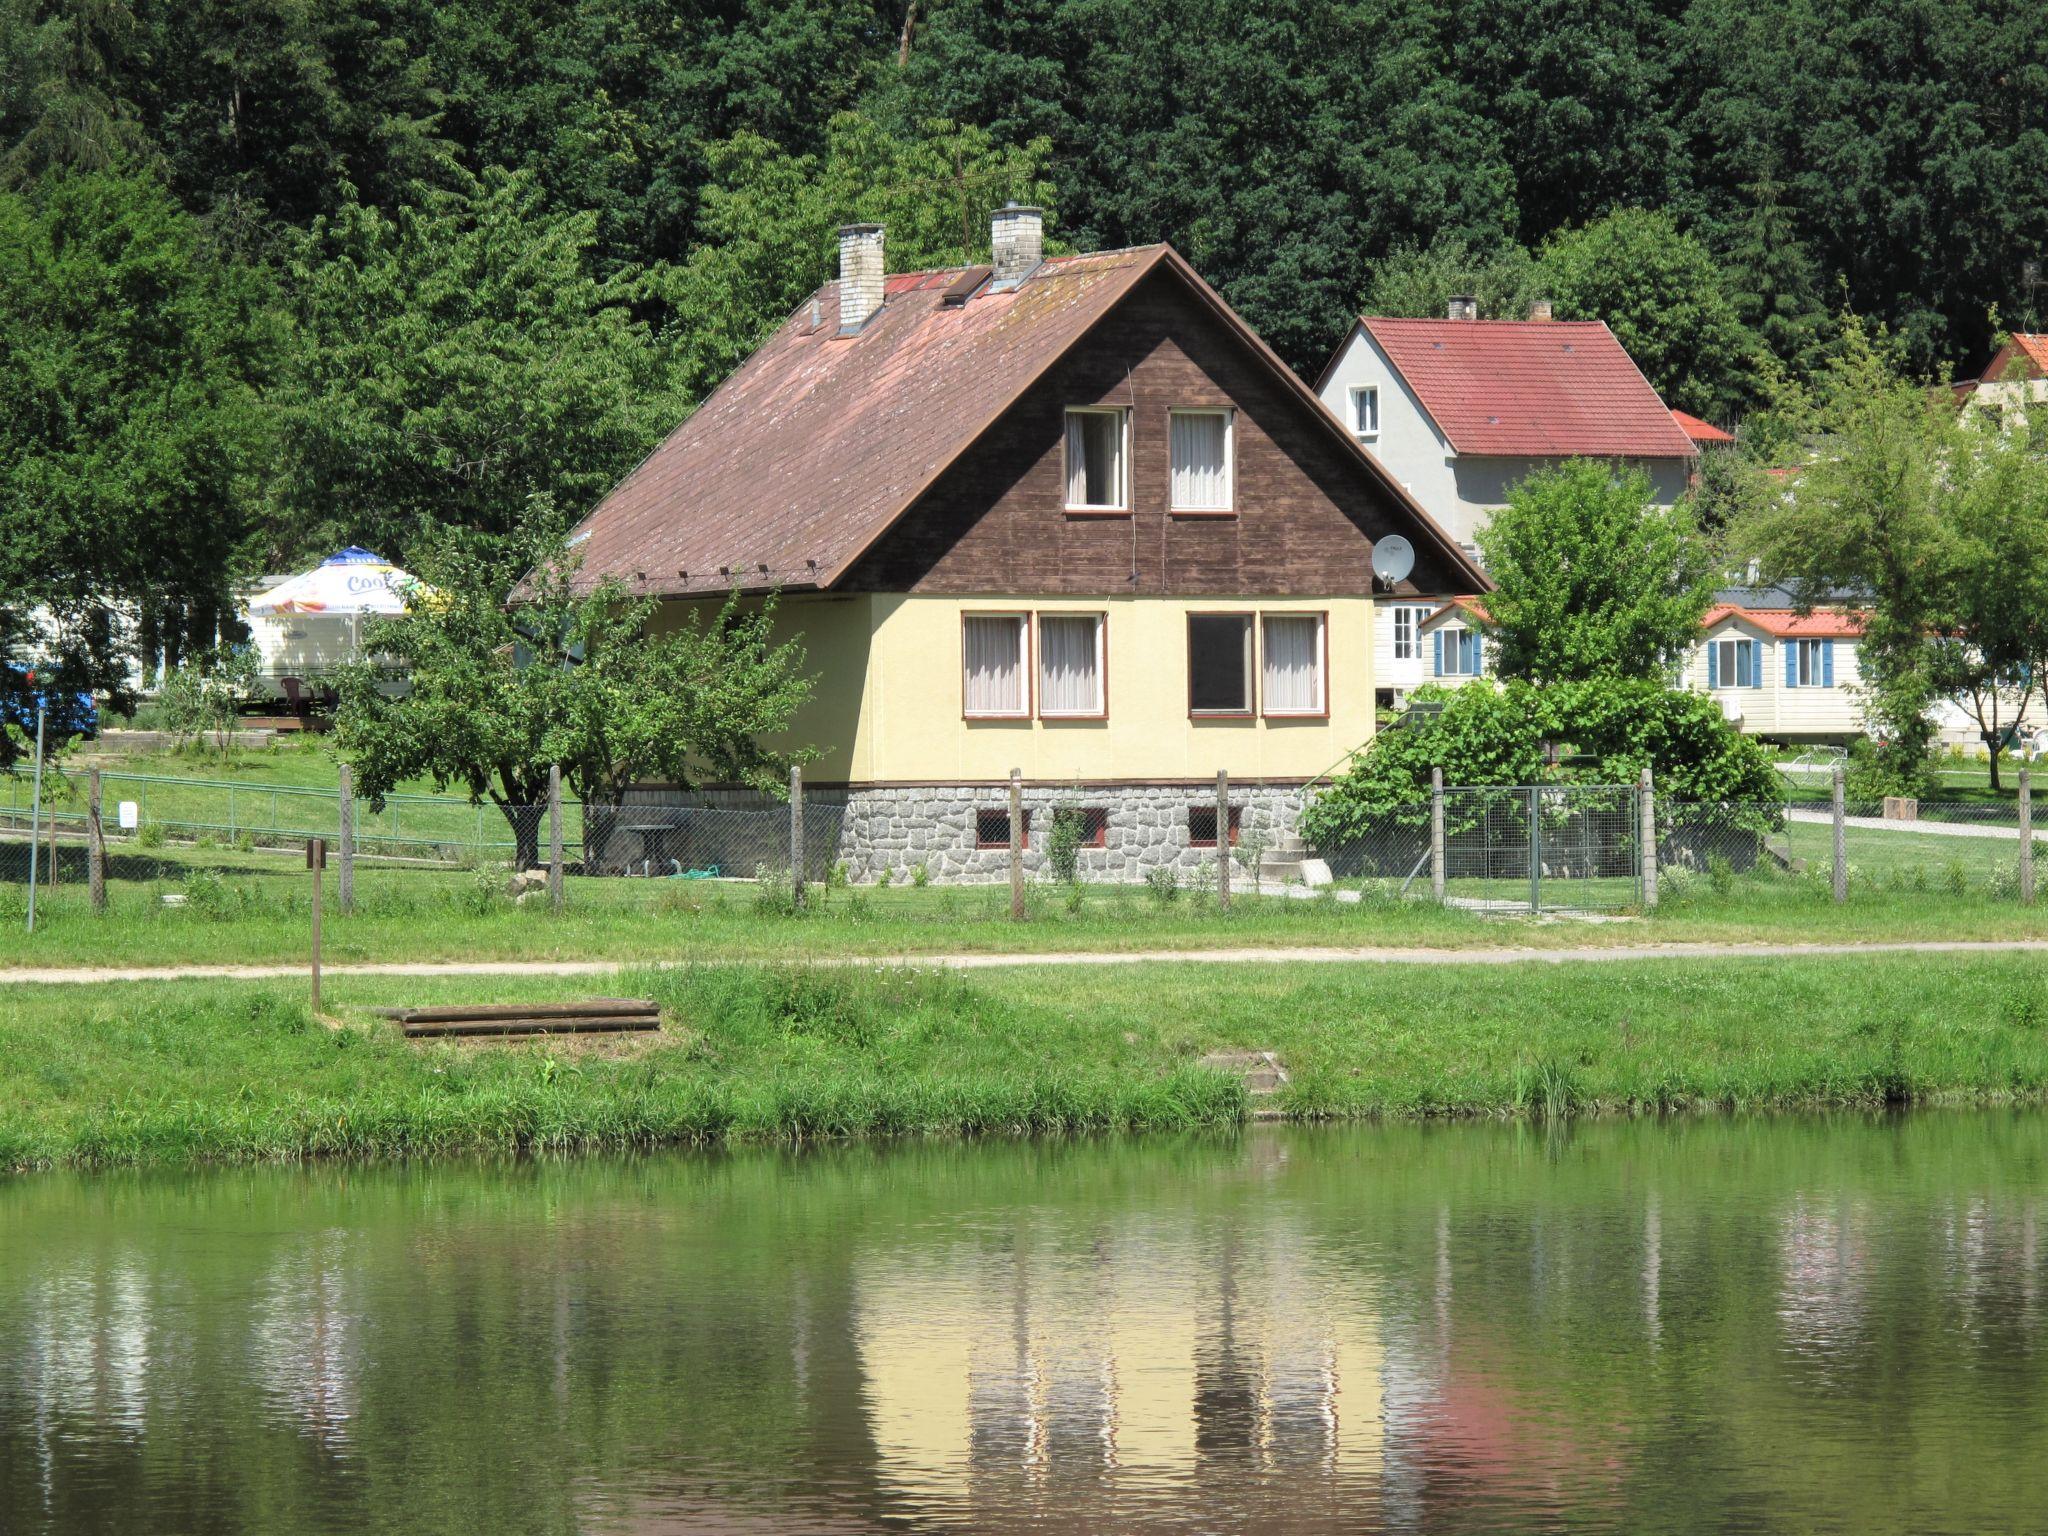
1392 559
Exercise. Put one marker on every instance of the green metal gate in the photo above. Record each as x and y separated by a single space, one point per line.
1544 848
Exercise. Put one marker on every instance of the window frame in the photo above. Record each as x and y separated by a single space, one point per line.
1094 826
1101 618
1807 650
1091 509
1358 392
1728 667
981 844
1027 659
1321 616
1416 614
1199 808
1249 617
1464 636
1229 415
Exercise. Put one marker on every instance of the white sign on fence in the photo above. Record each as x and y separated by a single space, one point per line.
131 816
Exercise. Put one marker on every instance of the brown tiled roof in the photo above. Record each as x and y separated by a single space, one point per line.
816 444
1531 388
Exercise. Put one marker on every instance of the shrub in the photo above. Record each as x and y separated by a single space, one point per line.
208 895
484 891
922 875
1720 874
150 834
1163 881
882 879
2022 1007
2005 881
774 893
1063 845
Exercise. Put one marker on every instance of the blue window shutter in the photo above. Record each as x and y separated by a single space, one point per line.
1791 663
1478 653
1438 637
1756 664
1827 663
1713 663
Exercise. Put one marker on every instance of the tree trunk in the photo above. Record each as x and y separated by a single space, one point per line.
1996 743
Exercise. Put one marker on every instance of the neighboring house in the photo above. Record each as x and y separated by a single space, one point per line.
1453 642
1704 434
1461 409
1778 673
2016 377
1066 515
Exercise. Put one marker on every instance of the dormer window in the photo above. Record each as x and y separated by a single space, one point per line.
1098 451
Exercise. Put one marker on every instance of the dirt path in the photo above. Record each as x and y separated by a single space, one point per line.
58 975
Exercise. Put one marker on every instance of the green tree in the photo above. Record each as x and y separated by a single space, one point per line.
1421 281
506 677
1666 300
1592 578
456 360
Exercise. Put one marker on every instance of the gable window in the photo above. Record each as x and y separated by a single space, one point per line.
1097 447
992 829
1070 666
1365 410
1460 652
1809 664
994 669
1407 622
1202 825
1733 664
1202 442
1293 682
1219 663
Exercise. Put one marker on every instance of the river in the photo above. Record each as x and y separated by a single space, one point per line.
1709 1325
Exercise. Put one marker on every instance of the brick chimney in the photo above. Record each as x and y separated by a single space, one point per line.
1540 310
1464 306
1016 243
860 275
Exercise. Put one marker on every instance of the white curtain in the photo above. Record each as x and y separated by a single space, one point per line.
1069 665
1077 459
995 665
1095 451
1201 461
1294 666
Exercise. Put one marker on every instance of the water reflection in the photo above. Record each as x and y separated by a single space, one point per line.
1795 1325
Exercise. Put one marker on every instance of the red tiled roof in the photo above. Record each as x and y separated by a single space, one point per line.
1531 388
814 446
1700 431
2032 347
1788 623
1472 607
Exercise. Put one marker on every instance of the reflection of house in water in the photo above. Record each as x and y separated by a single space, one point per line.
1077 1372
1824 1276
304 1343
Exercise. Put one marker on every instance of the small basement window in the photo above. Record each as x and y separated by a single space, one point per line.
1202 825
1219 664
1094 826
1096 478
992 829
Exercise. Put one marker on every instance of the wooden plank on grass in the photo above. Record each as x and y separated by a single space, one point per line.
554 1024
590 1006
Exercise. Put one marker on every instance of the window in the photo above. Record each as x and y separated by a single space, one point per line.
1070 666
1095 461
1202 825
994 669
1293 683
1365 409
1201 460
1406 621
1732 664
992 829
1460 652
1094 826
1810 664
1219 664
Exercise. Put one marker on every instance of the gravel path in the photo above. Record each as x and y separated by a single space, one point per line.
1580 954
1937 828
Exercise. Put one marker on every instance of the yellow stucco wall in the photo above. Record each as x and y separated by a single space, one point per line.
887 707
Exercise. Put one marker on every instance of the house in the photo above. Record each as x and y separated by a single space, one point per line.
2016 377
1461 409
1704 434
1067 515
1778 673
1453 642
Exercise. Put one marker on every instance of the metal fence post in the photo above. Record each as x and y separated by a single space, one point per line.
95 844
1436 832
555 838
1841 842
1016 845
796 835
1535 850
1223 839
345 879
1649 837
2026 836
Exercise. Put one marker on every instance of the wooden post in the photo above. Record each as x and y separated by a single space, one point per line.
345 880
796 835
1649 841
1436 832
1841 842
316 860
95 844
1016 846
2026 836
555 838
1223 839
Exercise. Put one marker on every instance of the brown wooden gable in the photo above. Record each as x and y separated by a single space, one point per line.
1307 513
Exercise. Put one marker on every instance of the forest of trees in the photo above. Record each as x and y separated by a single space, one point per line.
281 274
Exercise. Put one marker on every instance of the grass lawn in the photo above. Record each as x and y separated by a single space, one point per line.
175 1072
